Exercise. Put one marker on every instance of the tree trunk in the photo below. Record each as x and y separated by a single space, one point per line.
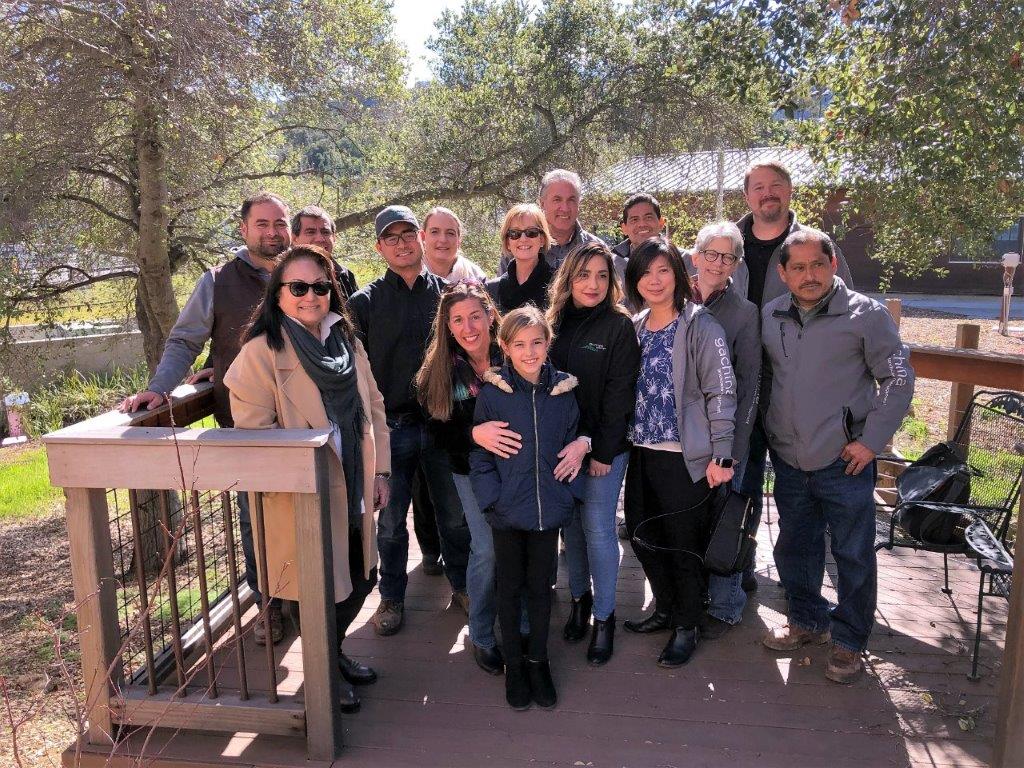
155 303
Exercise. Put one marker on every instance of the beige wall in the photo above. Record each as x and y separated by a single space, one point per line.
32 362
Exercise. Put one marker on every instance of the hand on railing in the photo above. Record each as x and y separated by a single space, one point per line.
145 399
206 374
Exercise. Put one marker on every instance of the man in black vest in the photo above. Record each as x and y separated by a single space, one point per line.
218 309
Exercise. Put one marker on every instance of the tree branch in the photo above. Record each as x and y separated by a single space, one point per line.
131 224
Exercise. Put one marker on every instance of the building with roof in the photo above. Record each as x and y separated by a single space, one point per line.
694 186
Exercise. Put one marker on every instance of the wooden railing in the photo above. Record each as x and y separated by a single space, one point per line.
131 679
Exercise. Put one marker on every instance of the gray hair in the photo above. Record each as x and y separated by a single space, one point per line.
720 229
560 174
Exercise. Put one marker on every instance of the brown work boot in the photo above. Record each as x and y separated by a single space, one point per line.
388 618
460 600
271 616
790 637
844 666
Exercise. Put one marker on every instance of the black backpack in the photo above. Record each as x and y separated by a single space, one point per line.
734 521
941 474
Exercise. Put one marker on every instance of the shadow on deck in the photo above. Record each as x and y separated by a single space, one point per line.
735 704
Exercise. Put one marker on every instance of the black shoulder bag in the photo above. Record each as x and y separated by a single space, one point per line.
940 475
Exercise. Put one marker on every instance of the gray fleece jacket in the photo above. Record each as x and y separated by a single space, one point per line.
841 375
741 322
705 388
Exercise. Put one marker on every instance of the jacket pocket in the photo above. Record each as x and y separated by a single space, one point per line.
695 430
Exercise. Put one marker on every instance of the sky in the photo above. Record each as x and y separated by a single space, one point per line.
414 23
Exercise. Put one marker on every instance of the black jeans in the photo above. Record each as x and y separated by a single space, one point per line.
346 611
524 562
657 482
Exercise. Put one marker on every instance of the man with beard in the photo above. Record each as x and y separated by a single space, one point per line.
218 309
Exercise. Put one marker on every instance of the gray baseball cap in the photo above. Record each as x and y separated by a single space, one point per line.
394 214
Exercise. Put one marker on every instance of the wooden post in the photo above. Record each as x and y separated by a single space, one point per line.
960 394
895 307
321 676
1009 746
92 572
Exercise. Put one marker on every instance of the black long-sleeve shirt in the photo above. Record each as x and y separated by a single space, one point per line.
394 322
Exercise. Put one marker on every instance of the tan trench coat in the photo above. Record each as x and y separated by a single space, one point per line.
270 390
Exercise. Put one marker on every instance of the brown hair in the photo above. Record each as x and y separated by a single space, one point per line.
520 319
560 290
434 378
260 197
773 165
525 209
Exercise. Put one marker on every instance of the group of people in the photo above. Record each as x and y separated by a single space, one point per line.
510 412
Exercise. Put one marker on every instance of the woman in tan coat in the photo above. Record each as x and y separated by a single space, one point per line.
302 367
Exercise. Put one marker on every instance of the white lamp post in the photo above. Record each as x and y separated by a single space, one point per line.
1010 263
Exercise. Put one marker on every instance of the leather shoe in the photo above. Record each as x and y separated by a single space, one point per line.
680 647
489 660
348 701
354 672
432 565
656 622
517 686
579 618
542 687
602 641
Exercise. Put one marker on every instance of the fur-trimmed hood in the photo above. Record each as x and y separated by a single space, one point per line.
505 379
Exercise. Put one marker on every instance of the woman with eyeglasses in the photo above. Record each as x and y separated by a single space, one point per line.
525 237
682 441
463 346
716 255
302 367
595 342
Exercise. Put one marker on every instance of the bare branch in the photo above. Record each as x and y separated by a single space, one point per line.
131 224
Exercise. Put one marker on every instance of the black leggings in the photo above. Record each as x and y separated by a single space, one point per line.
658 482
346 611
524 562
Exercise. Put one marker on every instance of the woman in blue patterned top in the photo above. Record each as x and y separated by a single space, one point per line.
682 441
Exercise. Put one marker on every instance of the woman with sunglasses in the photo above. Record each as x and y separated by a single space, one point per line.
301 367
716 256
682 441
524 237
463 346
595 342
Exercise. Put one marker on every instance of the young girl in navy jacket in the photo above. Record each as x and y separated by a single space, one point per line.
522 499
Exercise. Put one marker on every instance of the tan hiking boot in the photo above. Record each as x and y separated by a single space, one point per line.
791 637
273 617
844 666
460 600
388 618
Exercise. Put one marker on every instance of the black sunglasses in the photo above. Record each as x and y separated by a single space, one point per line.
532 233
300 288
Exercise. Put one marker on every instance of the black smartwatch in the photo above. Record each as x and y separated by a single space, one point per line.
723 463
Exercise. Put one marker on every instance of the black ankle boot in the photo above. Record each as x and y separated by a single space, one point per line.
542 687
680 647
602 641
517 685
579 618
656 622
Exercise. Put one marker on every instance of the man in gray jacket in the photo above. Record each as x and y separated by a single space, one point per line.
839 382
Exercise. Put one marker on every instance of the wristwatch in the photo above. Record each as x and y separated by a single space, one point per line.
723 463
590 443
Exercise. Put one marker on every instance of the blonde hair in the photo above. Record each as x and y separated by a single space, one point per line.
519 320
560 290
440 209
525 209
434 378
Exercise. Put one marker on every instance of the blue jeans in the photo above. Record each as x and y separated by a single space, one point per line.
591 542
413 446
728 599
483 608
808 503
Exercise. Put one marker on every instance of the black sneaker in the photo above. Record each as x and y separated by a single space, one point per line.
517 685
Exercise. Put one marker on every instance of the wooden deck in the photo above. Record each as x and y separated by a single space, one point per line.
736 704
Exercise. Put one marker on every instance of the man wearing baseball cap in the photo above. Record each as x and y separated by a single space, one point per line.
393 317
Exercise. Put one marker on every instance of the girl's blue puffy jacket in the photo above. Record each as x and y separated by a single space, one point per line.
521 492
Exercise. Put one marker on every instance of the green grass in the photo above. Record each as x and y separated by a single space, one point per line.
25 489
